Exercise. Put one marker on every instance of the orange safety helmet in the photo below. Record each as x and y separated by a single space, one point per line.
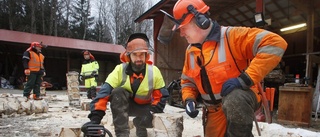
183 15
36 44
86 52
137 42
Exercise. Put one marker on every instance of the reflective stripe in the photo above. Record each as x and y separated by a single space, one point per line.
185 77
124 75
222 50
207 96
271 50
25 57
257 41
192 63
150 78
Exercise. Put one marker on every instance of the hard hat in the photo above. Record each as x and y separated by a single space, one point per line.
36 44
137 42
183 15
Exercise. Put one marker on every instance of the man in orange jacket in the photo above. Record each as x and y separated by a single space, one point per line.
134 88
32 61
223 64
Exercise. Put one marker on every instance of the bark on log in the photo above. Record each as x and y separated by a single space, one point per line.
169 125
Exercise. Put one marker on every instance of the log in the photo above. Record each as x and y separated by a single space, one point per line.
39 106
168 125
70 132
85 105
19 105
12 105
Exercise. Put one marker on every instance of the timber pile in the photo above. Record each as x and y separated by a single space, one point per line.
73 88
20 105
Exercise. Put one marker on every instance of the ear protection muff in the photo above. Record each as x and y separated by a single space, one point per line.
202 20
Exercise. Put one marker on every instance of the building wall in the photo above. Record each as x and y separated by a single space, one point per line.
170 58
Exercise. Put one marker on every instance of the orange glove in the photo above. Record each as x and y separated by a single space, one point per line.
27 72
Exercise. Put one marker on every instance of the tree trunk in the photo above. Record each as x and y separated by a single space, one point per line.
33 17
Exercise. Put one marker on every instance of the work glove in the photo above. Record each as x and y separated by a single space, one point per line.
191 109
94 74
80 78
157 108
27 72
242 82
229 86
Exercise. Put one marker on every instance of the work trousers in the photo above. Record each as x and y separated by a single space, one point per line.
239 107
123 106
90 84
33 83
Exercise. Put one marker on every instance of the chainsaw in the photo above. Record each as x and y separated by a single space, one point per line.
95 130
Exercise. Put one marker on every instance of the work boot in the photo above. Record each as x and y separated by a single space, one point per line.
36 98
141 130
89 93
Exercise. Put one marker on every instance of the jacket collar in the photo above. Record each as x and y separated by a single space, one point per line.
214 33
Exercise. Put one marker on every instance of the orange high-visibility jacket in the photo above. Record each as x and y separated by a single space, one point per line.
225 49
36 61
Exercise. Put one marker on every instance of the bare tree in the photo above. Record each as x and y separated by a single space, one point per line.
63 17
33 26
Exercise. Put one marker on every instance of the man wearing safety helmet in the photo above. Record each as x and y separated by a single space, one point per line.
134 88
89 72
32 61
224 65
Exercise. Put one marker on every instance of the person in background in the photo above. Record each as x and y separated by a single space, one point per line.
89 72
32 61
223 64
134 88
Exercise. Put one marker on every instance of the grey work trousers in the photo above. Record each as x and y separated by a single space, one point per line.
123 106
239 107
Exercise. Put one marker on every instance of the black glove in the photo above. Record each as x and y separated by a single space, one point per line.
191 109
94 74
157 108
92 129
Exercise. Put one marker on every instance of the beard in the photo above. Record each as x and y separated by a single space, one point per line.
138 66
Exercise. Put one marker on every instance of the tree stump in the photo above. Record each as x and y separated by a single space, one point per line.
168 125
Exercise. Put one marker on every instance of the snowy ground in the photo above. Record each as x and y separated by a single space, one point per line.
60 114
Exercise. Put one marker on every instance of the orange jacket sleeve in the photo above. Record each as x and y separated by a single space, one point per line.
264 48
